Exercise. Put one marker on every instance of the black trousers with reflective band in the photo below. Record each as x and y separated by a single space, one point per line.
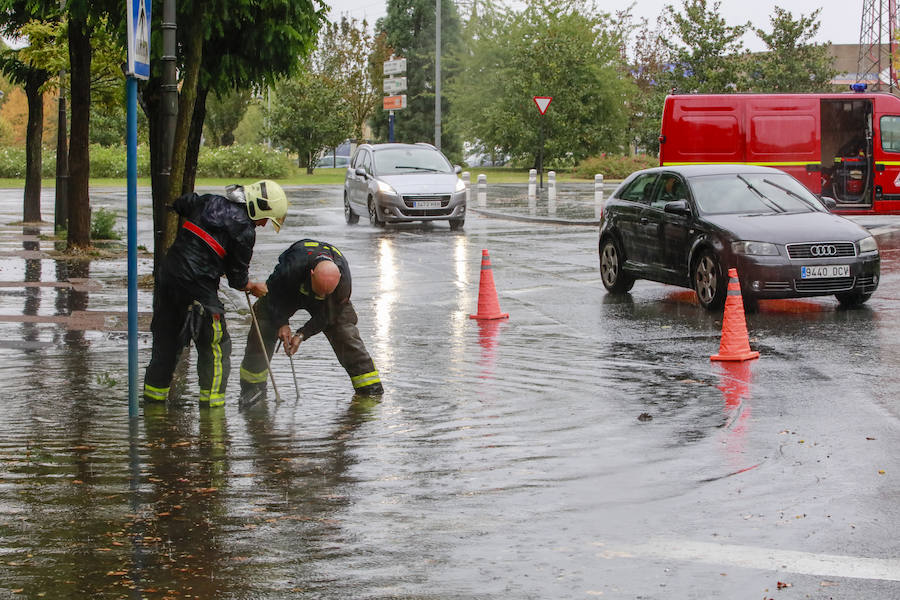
169 339
343 336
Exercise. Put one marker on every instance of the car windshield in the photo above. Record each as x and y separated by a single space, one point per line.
410 160
752 193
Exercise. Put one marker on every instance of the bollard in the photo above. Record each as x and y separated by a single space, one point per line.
532 184
598 195
482 190
551 193
467 180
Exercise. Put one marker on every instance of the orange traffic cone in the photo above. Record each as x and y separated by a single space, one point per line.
488 304
735 344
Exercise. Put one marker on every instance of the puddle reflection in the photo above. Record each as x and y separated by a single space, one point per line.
735 378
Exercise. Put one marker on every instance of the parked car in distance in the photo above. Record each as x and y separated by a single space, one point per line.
687 225
396 183
333 162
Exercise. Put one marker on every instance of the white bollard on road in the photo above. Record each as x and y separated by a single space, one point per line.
467 181
551 193
532 184
482 190
598 195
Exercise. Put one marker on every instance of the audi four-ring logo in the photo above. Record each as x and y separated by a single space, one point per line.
823 250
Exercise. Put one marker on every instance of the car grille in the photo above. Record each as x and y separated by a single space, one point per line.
776 286
805 250
409 201
825 286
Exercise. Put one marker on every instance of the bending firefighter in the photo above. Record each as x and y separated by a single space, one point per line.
314 276
216 237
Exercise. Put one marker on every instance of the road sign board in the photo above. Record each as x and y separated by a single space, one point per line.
542 103
394 102
392 85
138 12
395 66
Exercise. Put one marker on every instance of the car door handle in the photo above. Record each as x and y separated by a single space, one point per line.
644 220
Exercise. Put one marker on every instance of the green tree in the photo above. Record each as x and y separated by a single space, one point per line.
223 114
707 54
565 49
15 64
344 55
650 59
308 114
410 29
792 62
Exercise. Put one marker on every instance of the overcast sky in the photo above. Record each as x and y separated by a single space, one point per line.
839 20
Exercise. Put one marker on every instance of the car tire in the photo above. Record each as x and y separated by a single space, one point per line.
351 217
709 281
456 224
852 299
615 279
373 214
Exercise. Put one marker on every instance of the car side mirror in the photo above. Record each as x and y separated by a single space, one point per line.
678 207
360 171
830 203
457 169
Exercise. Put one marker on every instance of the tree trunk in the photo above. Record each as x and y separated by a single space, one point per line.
192 155
152 104
79 149
33 137
193 54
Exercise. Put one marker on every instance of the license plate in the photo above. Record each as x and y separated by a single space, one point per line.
427 204
824 271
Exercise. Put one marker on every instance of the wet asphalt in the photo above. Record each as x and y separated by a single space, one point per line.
585 447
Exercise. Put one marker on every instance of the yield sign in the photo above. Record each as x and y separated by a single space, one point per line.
542 103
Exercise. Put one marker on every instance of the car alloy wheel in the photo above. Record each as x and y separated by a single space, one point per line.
351 217
709 282
373 214
615 280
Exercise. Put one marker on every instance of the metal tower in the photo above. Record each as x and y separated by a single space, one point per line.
877 45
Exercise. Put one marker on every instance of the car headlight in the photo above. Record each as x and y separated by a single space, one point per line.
868 244
384 188
460 185
754 248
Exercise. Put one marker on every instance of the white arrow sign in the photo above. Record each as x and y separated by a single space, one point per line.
395 67
392 85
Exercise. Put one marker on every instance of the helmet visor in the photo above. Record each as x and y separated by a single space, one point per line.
277 223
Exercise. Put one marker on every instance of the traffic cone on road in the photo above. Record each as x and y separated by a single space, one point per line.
488 304
735 343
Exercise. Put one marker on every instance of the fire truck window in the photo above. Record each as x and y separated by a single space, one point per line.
890 134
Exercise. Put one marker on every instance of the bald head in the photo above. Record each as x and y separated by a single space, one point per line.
324 277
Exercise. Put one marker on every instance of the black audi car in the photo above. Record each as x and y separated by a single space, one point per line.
688 225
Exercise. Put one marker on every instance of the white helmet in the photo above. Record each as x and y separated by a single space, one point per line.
266 200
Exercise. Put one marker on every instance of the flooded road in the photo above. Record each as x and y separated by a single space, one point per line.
586 447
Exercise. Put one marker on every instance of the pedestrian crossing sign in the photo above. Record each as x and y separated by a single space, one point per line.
139 38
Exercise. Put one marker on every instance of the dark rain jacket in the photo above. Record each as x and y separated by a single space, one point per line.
290 288
215 239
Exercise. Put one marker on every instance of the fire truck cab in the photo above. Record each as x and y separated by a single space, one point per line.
842 146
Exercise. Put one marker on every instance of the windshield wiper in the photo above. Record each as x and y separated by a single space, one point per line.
791 193
429 169
771 203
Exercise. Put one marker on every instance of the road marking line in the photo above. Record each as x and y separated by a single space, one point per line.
804 563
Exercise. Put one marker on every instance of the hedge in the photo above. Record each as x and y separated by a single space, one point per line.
238 161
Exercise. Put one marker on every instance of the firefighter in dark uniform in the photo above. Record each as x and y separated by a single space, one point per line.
216 237
314 276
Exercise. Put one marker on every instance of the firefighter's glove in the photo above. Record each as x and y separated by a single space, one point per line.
257 288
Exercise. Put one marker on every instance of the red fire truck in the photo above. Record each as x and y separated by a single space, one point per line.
845 146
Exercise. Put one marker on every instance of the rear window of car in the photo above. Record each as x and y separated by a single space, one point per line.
411 160
754 193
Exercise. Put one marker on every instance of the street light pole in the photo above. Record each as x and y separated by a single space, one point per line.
437 74
61 209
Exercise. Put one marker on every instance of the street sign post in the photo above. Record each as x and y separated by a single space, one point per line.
392 85
543 103
138 67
